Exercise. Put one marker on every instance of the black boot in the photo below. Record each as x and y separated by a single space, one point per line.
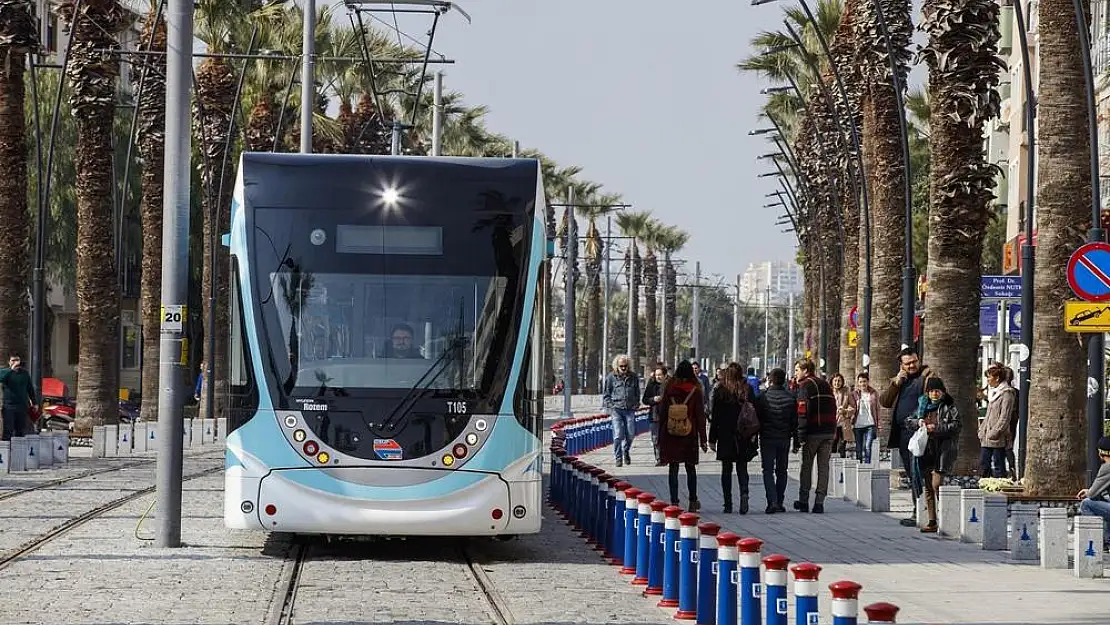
743 504
802 505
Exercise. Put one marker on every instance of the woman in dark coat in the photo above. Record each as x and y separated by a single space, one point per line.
682 387
729 398
936 412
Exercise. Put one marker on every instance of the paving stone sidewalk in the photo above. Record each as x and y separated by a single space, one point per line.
933 579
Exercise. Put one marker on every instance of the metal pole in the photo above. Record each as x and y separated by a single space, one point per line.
395 144
571 269
1096 365
516 149
1027 249
822 326
604 290
766 324
175 270
308 75
736 323
908 271
696 312
790 331
437 115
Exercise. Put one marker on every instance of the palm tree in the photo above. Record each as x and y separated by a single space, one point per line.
593 250
963 73
670 241
886 171
150 71
632 225
650 239
18 37
92 75
1056 441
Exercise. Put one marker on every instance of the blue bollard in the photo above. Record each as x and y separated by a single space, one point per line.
805 593
643 537
616 536
671 530
564 486
589 520
727 578
601 526
655 548
750 590
707 573
845 602
573 482
581 482
775 586
631 537
881 612
687 567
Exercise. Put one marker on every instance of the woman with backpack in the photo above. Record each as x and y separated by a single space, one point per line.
681 413
732 433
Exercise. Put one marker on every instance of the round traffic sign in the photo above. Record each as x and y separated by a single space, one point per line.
853 318
1089 272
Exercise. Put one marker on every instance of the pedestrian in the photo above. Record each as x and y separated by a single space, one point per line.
937 413
994 429
867 410
621 398
753 382
706 387
902 396
200 381
19 398
1094 498
682 430
732 433
778 425
816 430
845 414
653 394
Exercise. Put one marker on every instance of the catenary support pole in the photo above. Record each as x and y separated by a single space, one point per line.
1096 364
605 294
308 75
736 323
1027 250
696 313
571 269
175 269
437 116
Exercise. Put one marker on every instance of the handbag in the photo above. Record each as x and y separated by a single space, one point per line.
919 441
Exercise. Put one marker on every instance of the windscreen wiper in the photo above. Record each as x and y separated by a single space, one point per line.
456 346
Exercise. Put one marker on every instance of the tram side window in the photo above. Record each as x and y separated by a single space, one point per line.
243 393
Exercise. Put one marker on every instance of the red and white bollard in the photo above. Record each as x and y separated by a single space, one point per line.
845 602
881 612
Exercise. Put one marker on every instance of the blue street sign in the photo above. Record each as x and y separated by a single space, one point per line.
988 319
1013 318
1000 287
1089 272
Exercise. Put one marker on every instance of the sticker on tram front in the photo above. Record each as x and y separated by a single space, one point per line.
388 449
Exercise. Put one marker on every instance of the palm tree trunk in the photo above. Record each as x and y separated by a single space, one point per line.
17 37
849 282
1057 419
92 76
593 366
961 190
151 144
882 149
215 106
634 316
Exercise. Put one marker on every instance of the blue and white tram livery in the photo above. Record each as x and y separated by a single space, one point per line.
385 353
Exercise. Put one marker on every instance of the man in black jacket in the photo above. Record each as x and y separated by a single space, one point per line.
778 423
19 396
816 430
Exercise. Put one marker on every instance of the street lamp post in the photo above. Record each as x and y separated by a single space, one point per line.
1027 250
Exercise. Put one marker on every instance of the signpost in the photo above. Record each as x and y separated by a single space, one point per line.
1000 287
1089 272
1083 317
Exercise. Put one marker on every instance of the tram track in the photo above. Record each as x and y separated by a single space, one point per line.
307 549
33 545
72 478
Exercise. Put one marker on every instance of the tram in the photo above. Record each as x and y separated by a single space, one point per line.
386 369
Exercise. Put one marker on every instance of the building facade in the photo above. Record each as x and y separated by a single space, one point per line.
781 278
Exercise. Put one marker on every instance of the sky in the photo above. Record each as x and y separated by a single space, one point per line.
645 97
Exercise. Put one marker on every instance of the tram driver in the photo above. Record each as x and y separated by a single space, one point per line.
401 344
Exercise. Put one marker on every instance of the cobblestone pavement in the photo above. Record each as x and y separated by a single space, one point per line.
101 573
933 579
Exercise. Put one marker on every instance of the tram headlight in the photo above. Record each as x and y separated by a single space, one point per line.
472 439
299 436
448 460
323 457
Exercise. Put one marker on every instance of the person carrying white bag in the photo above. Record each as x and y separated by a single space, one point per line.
934 444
